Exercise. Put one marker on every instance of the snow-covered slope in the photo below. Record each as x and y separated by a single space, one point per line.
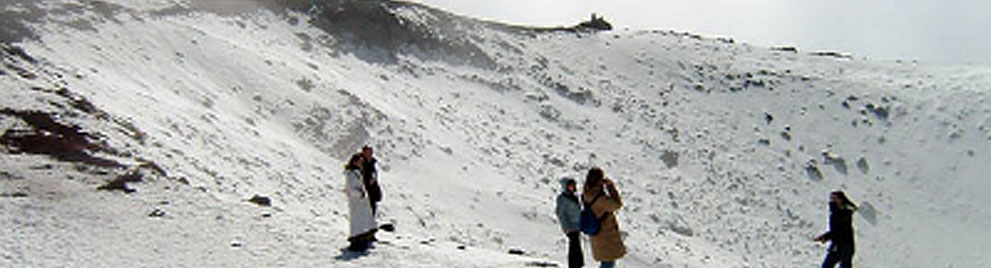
725 152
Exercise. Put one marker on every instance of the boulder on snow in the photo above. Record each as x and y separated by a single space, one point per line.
157 213
388 227
120 183
261 200
836 161
812 170
881 112
863 165
516 251
670 158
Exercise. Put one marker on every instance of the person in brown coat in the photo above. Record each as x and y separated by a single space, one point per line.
607 245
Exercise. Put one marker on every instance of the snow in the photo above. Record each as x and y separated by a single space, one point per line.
236 105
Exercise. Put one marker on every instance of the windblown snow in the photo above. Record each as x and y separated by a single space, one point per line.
136 132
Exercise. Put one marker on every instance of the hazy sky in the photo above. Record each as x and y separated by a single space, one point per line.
940 31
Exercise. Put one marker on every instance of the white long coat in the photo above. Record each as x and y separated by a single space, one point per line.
360 210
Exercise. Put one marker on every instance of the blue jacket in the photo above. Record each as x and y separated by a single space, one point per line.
568 211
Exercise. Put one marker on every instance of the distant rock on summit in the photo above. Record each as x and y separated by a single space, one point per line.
595 23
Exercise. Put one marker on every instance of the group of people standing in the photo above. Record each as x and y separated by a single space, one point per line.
600 197
364 193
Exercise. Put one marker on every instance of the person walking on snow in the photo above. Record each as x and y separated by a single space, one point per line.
363 226
601 195
840 232
569 214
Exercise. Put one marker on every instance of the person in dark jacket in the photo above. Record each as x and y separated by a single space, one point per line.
840 232
569 215
607 245
370 176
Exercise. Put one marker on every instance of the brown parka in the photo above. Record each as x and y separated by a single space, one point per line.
607 245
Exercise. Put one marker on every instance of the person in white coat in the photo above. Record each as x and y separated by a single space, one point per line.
363 226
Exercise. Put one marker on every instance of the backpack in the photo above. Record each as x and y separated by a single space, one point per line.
589 223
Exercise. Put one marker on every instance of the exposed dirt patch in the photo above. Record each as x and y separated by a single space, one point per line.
48 136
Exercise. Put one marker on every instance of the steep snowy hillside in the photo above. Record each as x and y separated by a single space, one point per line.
150 133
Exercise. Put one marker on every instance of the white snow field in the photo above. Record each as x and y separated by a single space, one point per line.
135 132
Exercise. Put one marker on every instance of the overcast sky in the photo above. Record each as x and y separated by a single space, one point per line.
938 31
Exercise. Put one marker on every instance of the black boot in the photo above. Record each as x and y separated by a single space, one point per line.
357 244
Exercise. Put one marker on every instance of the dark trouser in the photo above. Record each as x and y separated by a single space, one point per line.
841 255
575 257
375 206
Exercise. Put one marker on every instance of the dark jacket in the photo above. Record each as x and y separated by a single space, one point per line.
840 227
369 172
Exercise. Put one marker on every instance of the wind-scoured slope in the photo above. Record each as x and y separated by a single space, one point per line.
725 152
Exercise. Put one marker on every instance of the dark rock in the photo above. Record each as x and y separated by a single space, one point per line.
754 83
764 142
540 264
305 84
516 251
681 229
595 23
14 195
154 167
880 112
812 169
388 227
863 166
120 183
261 200
670 158
768 118
786 49
9 176
833 54
157 213
786 135
47 136
836 161
461 247
19 52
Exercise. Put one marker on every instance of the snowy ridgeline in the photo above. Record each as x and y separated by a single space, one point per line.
138 133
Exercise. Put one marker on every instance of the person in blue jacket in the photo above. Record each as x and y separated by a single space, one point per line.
568 214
